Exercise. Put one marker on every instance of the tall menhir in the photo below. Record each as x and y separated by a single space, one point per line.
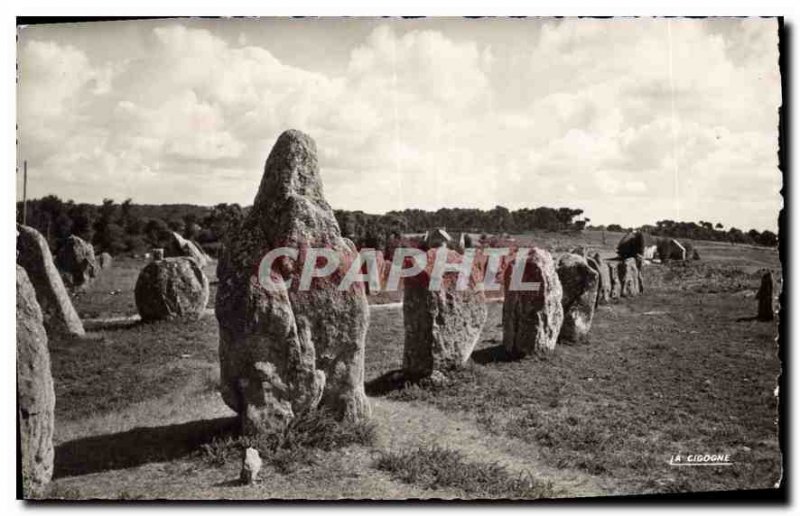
285 351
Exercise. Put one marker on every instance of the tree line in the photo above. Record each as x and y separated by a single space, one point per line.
127 227
136 228
703 230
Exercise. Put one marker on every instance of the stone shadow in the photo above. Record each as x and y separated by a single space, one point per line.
384 384
492 354
138 446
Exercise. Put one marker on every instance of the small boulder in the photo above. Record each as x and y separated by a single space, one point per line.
35 395
77 263
532 319
104 260
251 465
33 254
441 326
579 282
628 278
171 288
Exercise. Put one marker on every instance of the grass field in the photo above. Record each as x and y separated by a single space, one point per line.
682 369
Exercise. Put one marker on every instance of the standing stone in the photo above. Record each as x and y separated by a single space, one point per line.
633 243
532 319
640 273
437 238
284 350
579 283
77 262
251 465
104 260
628 277
35 396
380 265
441 326
603 279
158 254
615 290
33 254
179 246
173 288
766 310
671 249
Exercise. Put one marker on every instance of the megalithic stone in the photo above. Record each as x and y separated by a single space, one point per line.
285 350
35 395
532 319
33 254
766 311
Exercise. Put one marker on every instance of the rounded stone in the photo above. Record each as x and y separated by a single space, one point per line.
173 288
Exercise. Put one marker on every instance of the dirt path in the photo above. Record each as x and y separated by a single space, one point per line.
343 474
410 424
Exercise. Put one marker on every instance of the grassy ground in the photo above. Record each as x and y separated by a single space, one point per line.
682 369
671 372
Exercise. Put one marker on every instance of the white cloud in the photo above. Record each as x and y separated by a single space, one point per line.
592 115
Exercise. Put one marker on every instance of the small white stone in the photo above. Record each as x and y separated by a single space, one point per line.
251 465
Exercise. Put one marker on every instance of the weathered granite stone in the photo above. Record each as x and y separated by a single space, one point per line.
441 326
532 319
33 254
579 282
284 349
35 394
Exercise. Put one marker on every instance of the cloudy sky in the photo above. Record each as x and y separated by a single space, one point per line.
633 120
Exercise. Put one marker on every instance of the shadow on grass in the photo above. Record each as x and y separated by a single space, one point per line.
111 325
496 353
386 383
138 446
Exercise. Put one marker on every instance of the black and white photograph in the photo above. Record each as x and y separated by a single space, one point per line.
400 258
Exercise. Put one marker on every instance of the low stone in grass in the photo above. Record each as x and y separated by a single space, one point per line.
173 288
441 326
579 282
532 319
251 466
35 395
77 263
33 254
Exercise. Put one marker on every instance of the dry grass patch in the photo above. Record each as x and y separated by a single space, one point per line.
435 467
